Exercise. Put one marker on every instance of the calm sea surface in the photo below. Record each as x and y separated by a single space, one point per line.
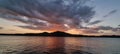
58 45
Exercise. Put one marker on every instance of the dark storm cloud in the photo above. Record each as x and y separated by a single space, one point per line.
110 13
42 13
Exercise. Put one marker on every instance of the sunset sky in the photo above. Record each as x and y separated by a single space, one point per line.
72 16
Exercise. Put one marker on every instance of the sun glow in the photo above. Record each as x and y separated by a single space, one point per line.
74 31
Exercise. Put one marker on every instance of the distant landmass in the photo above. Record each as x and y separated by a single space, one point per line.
58 34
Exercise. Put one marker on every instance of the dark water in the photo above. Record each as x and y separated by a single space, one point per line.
58 45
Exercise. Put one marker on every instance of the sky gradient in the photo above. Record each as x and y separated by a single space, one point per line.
72 16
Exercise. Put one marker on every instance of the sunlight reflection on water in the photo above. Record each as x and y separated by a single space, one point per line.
58 45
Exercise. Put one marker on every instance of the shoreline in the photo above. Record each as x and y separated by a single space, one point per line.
65 36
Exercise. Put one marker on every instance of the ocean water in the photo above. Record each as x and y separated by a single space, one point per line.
58 45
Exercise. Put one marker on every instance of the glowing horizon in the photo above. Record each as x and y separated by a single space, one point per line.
72 16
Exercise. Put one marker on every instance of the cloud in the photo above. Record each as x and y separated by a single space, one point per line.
118 25
95 22
99 29
46 14
52 15
45 28
107 28
1 27
89 31
110 13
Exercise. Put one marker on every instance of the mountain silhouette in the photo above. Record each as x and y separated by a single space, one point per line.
58 34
